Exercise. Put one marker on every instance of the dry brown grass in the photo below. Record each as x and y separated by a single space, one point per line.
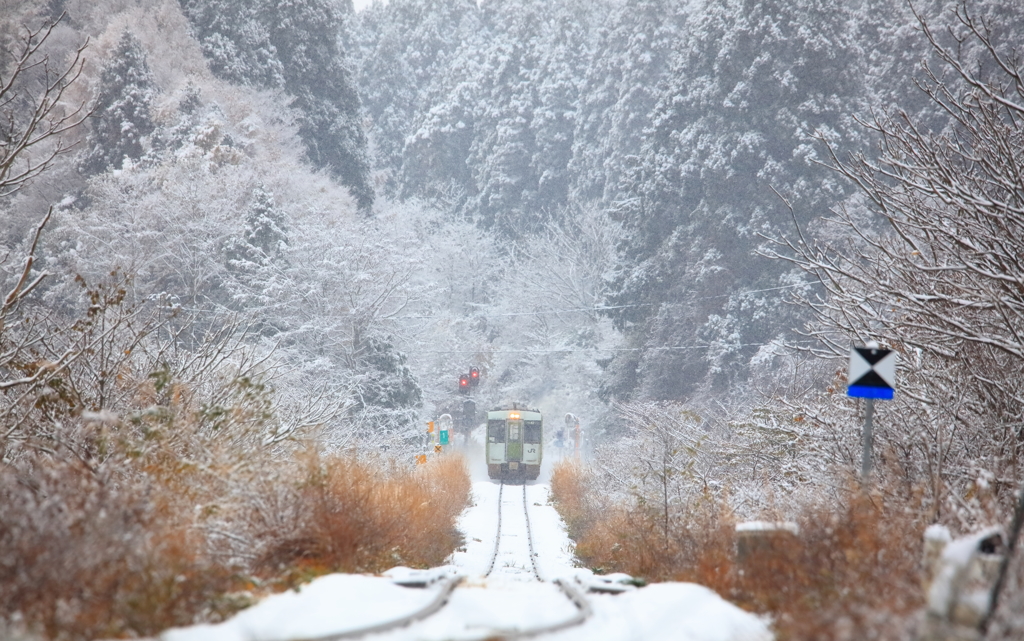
853 572
84 555
356 517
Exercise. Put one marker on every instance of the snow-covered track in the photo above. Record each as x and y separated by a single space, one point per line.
508 543
583 608
509 538
583 612
447 587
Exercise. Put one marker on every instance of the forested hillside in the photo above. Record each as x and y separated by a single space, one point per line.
232 229
676 120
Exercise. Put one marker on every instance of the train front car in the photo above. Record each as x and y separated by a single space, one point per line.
515 443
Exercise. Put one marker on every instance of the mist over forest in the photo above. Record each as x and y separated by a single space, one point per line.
235 227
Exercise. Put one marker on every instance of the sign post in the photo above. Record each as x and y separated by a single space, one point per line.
445 424
872 375
427 438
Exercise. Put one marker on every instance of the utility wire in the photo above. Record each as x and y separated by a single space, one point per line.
594 349
600 308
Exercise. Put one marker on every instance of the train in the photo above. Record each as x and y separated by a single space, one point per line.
515 443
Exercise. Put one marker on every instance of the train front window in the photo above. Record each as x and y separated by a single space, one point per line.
496 431
531 432
513 430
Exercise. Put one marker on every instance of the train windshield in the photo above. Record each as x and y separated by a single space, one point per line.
531 432
496 431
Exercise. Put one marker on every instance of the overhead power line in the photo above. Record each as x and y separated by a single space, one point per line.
601 308
568 350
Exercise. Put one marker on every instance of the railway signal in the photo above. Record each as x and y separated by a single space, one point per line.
474 376
464 384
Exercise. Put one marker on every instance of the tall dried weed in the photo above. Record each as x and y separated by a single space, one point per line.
86 553
352 516
852 573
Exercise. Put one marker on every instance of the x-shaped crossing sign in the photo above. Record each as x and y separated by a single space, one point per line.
872 373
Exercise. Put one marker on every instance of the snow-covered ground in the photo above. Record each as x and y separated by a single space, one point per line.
510 598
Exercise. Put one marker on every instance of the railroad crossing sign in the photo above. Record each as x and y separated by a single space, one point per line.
872 373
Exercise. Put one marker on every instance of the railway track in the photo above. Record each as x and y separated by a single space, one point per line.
518 557
512 544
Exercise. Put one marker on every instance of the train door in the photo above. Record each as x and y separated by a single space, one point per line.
514 446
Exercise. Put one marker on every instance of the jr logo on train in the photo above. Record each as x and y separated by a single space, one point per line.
515 443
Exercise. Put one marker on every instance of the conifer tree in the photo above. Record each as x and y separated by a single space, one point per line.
235 41
404 48
122 116
254 261
306 36
387 393
619 91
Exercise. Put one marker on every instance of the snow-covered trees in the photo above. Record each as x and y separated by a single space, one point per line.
256 259
495 129
122 116
402 47
387 397
32 139
748 88
235 41
935 269
294 46
630 61
306 34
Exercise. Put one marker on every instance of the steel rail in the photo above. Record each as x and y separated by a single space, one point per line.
497 535
529 537
439 602
583 612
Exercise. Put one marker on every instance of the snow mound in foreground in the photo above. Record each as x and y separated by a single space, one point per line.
327 605
670 612
340 602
